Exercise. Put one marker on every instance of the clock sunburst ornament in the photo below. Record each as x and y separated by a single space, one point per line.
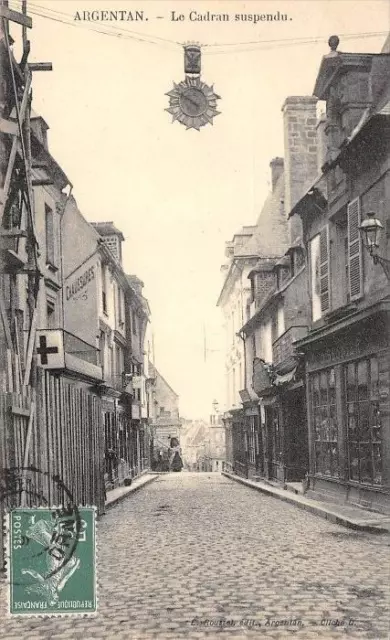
192 102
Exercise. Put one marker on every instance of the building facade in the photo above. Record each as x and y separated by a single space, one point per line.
347 348
267 436
165 420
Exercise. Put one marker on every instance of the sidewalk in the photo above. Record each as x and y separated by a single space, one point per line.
117 495
345 515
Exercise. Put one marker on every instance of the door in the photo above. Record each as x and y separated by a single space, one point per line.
274 441
296 432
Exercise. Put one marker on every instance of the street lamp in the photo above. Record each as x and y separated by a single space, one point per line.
370 230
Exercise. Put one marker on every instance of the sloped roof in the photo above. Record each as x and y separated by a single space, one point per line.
107 229
271 235
154 373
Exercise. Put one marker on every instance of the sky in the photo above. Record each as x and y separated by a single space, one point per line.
177 194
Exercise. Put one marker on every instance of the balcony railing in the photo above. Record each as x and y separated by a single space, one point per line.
283 348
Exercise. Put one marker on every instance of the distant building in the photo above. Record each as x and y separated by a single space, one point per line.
165 421
266 433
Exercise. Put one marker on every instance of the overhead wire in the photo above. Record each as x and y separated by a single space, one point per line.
208 48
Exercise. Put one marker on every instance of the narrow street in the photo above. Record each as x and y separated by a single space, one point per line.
197 556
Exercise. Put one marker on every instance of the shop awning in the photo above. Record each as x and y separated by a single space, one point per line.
283 379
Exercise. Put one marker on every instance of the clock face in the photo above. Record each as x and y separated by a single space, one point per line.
193 102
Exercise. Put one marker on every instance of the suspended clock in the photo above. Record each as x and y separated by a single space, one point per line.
192 102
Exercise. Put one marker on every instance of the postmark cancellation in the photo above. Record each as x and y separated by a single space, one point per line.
51 561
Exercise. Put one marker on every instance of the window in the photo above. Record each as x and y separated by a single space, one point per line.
51 316
49 233
314 278
102 341
364 438
104 292
134 322
266 341
120 307
298 258
323 400
280 328
346 268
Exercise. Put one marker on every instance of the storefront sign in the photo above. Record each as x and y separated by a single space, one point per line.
78 287
81 301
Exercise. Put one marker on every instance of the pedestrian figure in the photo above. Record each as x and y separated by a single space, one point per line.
175 461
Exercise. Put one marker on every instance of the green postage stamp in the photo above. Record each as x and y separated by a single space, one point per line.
51 561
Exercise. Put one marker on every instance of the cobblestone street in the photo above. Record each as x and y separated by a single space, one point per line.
199 556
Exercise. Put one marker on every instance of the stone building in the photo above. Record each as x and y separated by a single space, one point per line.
346 350
268 435
165 421
119 317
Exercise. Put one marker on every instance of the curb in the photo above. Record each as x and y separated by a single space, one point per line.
313 508
131 490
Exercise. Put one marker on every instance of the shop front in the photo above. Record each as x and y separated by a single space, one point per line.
348 411
283 421
240 443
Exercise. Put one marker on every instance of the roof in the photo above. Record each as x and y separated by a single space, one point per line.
269 298
271 236
315 194
135 280
154 373
107 229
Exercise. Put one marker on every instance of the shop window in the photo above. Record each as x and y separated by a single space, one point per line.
364 438
323 400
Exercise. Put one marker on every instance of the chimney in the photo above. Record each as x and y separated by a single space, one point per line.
300 151
277 165
321 142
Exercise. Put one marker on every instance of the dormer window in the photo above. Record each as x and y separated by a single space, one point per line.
282 271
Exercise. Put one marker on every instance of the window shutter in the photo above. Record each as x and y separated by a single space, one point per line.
324 269
354 250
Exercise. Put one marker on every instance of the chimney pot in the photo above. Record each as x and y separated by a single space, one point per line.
277 167
333 42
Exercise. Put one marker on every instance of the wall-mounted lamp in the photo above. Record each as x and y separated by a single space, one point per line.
370 230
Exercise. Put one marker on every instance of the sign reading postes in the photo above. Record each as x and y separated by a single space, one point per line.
50 349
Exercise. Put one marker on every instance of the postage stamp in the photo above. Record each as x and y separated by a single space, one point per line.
51 561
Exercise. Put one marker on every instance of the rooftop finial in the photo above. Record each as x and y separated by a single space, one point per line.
333 42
